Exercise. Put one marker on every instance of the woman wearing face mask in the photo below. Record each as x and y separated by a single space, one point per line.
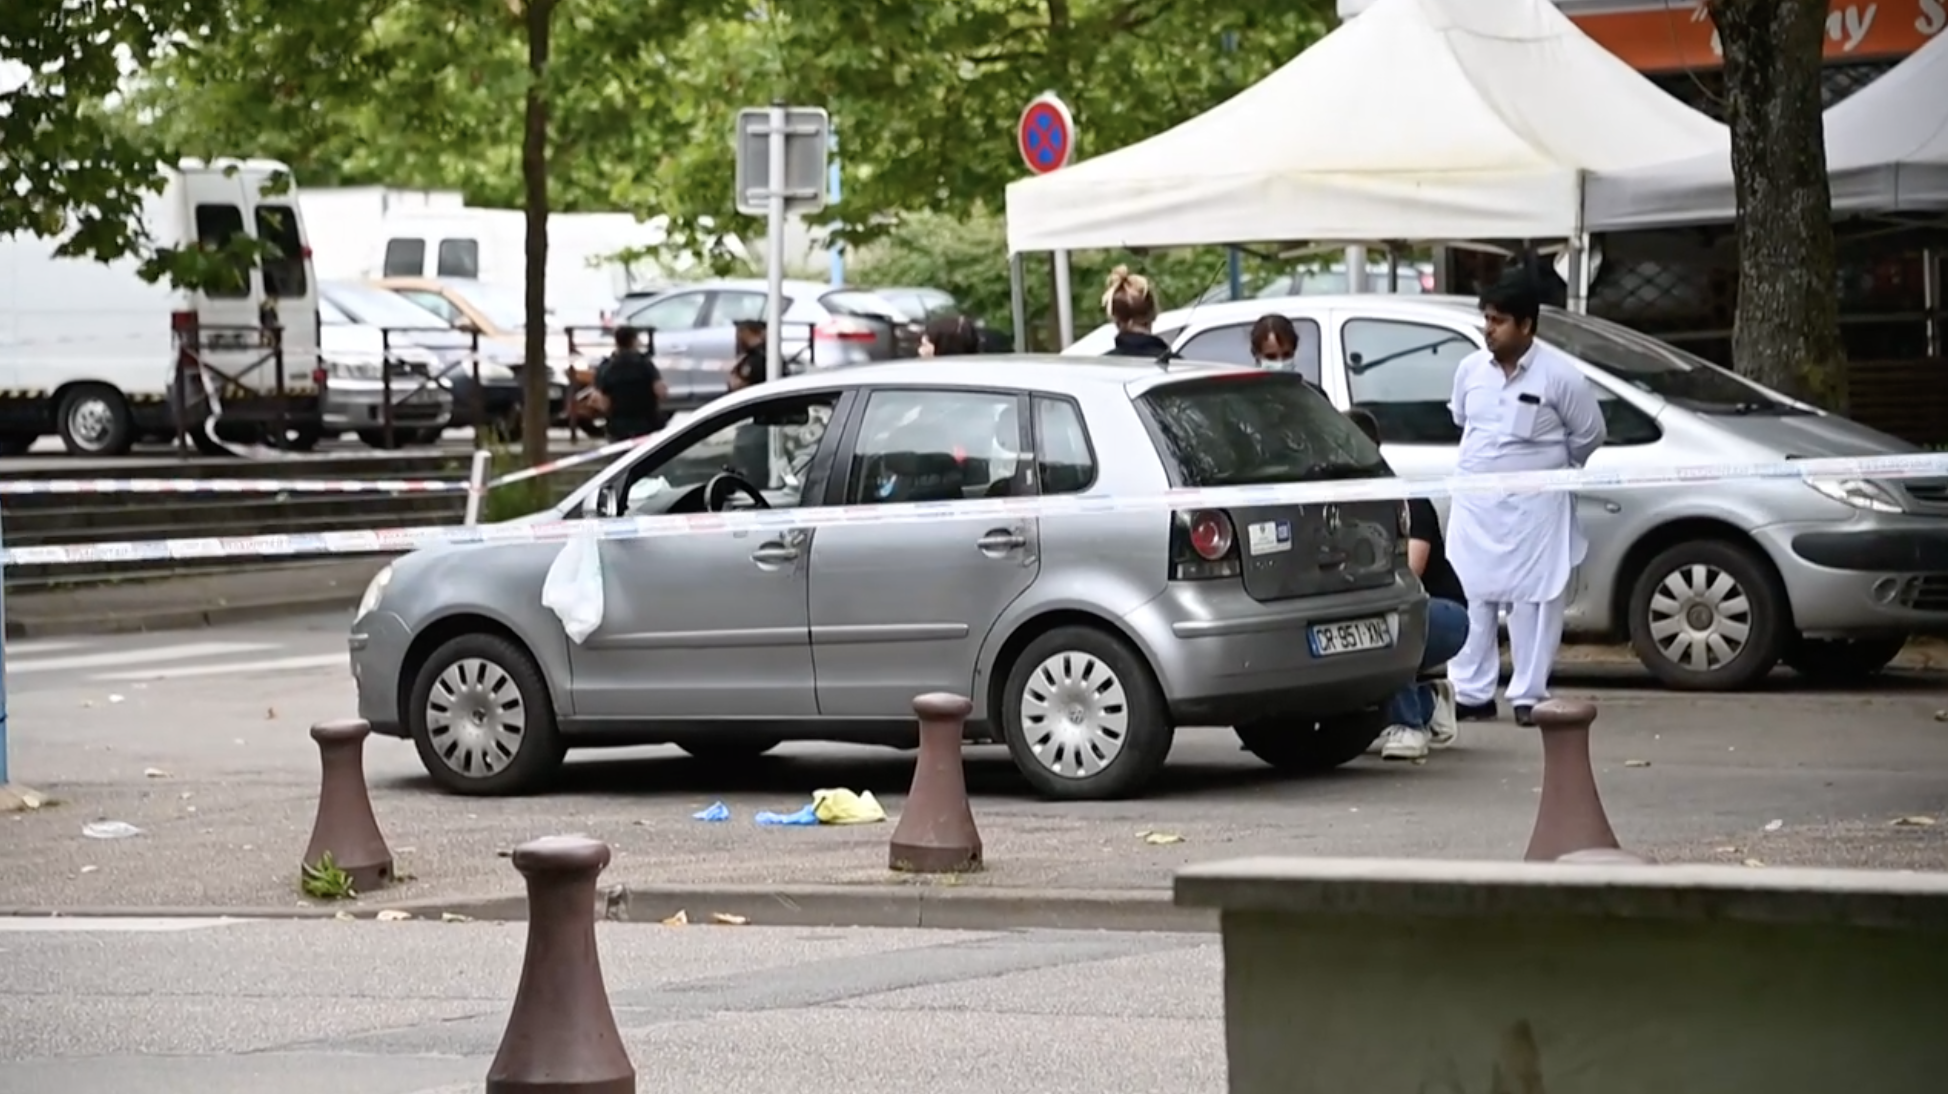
1274 342
1132 306
950 336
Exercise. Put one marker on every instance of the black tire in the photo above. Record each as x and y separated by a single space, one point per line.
1842 660
1766 615
94 420
537 756
376 438
427 436
16 444
1303 748
726 747
303 438
1147 729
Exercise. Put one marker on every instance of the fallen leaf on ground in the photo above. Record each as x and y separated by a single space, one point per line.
392 915
89 869
345 917
681 918
154 773
728 919
1774 825
1914 822
1941 715
1754 863
1159 838
455 917
1636 763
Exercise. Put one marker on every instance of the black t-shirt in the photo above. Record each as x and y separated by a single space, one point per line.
1423 523
629 379
750 369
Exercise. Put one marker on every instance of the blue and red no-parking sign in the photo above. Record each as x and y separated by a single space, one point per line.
1046 134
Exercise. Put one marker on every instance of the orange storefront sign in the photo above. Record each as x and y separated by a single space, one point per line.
1680 36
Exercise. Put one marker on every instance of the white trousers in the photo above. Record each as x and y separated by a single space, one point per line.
1534 636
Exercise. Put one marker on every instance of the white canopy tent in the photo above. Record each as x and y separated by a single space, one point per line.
1886 152
1418 120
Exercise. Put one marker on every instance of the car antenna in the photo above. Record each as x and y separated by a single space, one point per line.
1169 355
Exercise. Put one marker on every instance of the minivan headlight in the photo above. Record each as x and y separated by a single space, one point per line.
353 369
374 590
1859 493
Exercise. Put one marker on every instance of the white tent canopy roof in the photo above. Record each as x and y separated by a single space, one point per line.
1419 120
1886 151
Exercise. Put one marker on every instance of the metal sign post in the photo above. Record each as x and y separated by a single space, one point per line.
1045 136
782 157
5 778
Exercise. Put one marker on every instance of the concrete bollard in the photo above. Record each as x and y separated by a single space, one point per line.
345 828
936 833
1569 820
561 1036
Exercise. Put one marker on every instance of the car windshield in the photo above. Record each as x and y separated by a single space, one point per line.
380 308
863 305
1257 427
505 308
1657 367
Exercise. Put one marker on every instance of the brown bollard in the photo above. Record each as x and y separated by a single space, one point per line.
936 833
561 1037
346 829
1570 818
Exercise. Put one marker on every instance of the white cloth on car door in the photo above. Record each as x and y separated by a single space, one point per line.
573 588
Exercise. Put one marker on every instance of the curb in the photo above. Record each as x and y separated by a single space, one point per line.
935 907
169 619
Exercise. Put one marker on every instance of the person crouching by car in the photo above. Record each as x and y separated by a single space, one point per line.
950 336
1423 714
632 386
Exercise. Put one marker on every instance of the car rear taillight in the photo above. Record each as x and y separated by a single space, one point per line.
182 322
844 330
1203 545
1426 282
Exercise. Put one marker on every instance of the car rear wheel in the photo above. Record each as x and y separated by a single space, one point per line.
1307 748
94 420
481 716
1084 717
1842 660
1709 616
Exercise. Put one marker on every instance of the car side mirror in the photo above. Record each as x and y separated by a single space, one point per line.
608 499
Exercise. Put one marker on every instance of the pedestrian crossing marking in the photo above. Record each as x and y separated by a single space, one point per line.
228 668
39 646
184 652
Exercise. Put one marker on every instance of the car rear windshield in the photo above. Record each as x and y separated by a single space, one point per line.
1256 427
861 305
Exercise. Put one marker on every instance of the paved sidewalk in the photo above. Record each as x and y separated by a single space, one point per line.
418 1008
216 598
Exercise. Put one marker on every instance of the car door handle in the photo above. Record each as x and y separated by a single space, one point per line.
772 553
1001 540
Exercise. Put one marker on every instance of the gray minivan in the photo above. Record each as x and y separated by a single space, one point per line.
1713 585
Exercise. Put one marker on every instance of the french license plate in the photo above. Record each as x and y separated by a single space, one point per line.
1352 636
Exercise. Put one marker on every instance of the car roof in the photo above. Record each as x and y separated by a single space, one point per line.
1029 372
792 286
1240 311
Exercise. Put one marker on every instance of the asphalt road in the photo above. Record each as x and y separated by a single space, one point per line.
195 1007
198 738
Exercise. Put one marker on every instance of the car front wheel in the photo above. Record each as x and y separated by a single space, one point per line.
482 719
1709 616
1310 747
1084 717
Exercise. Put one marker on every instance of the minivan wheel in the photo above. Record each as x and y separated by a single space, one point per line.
482 718
1708 616
1084 717
94 420
1308 748
1842 660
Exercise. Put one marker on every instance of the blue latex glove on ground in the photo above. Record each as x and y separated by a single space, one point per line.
804 818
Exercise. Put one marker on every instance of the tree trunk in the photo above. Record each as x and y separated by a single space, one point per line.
534 178
1787 331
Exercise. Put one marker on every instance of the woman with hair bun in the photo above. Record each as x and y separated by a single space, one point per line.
950 336
1132 306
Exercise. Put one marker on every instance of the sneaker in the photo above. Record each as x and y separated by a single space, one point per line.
1404 743
1476 712
1525 716
1444 726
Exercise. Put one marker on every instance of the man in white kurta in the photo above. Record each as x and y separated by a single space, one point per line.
1521 406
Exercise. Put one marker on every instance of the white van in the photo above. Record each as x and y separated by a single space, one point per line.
92 352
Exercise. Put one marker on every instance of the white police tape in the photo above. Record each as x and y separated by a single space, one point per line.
394 540
232 486
613 448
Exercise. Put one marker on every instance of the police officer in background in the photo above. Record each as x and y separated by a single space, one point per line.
751 368
751 448
633 385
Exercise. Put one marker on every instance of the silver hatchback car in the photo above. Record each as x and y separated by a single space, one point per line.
1083 638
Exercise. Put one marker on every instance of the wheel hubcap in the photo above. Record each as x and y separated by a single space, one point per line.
1075 715
1700 618
476 717
90 421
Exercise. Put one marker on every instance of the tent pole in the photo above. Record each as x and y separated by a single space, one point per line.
1018 302
1356 268
1064 304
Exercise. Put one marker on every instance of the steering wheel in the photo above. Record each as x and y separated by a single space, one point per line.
717 492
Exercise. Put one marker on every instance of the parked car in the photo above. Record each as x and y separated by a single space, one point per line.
1713 585
924 305
357 357
1084 640
492 314
459 357
823 326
